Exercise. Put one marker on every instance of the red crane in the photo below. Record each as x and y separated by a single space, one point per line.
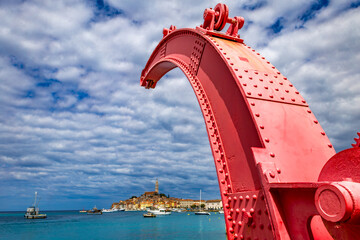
279 175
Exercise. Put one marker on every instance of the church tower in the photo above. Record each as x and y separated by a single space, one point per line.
157 186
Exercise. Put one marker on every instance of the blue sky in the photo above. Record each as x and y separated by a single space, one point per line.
76 126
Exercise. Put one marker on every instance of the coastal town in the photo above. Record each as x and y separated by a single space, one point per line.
157 200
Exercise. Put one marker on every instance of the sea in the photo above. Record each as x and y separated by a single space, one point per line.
118 225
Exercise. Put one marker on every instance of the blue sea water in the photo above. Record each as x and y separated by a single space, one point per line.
119 225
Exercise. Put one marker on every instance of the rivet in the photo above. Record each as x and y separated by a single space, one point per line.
257 115
255 86
232 210
271 96
244 84
303 101
224 53
220 48
276 77
236 69
309 111
229 199
252 211
235 198
241 198
240 223
241 237
297 92
246 70
234 222
278 170
273 67
231 64
272 154
229 186
285 78
261 226
227 205
316 122
254 196
250 78
228 58
265 74
262 127
237 210
249 93
260 94
267 62
229 217
223 181
225 193
276 89
266 87
267 140
293 99
287 91
271 81
218 159
252 104
221 171
243 210
230 229
272 174
256 73
282 98
290 85
322 133
278 72
330 146
240 76
261 79
247 197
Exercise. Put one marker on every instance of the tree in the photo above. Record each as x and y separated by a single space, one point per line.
193 206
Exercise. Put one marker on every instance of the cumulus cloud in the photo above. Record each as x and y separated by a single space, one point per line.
76 126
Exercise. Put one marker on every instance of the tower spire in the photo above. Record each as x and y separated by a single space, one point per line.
157 186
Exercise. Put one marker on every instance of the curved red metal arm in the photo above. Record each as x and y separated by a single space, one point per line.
267 145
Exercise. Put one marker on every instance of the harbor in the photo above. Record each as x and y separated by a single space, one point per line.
117 225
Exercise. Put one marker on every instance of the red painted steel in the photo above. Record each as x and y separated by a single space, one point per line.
271 154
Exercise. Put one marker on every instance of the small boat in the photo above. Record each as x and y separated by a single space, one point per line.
221 212
160 211
32 212
94 211
149 215
201 212
83 211
109 210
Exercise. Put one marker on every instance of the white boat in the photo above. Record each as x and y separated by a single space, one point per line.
221 212
32 212
160 211
201 212
110 210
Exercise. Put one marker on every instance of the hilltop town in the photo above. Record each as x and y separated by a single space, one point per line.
156 200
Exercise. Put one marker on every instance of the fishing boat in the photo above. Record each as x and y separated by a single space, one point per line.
94 211
149 215
32 212
201 212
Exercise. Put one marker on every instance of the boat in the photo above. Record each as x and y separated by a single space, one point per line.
94 211
160 211
32 212
149 215
221 212
83 211
201 212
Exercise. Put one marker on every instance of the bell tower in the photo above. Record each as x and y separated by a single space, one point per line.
157 186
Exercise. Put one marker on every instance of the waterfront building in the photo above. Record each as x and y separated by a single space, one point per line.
213 204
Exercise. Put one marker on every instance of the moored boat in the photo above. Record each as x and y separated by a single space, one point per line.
160 211
201 212
32 212
149 215
94 211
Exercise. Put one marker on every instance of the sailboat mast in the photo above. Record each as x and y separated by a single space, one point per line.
200 199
